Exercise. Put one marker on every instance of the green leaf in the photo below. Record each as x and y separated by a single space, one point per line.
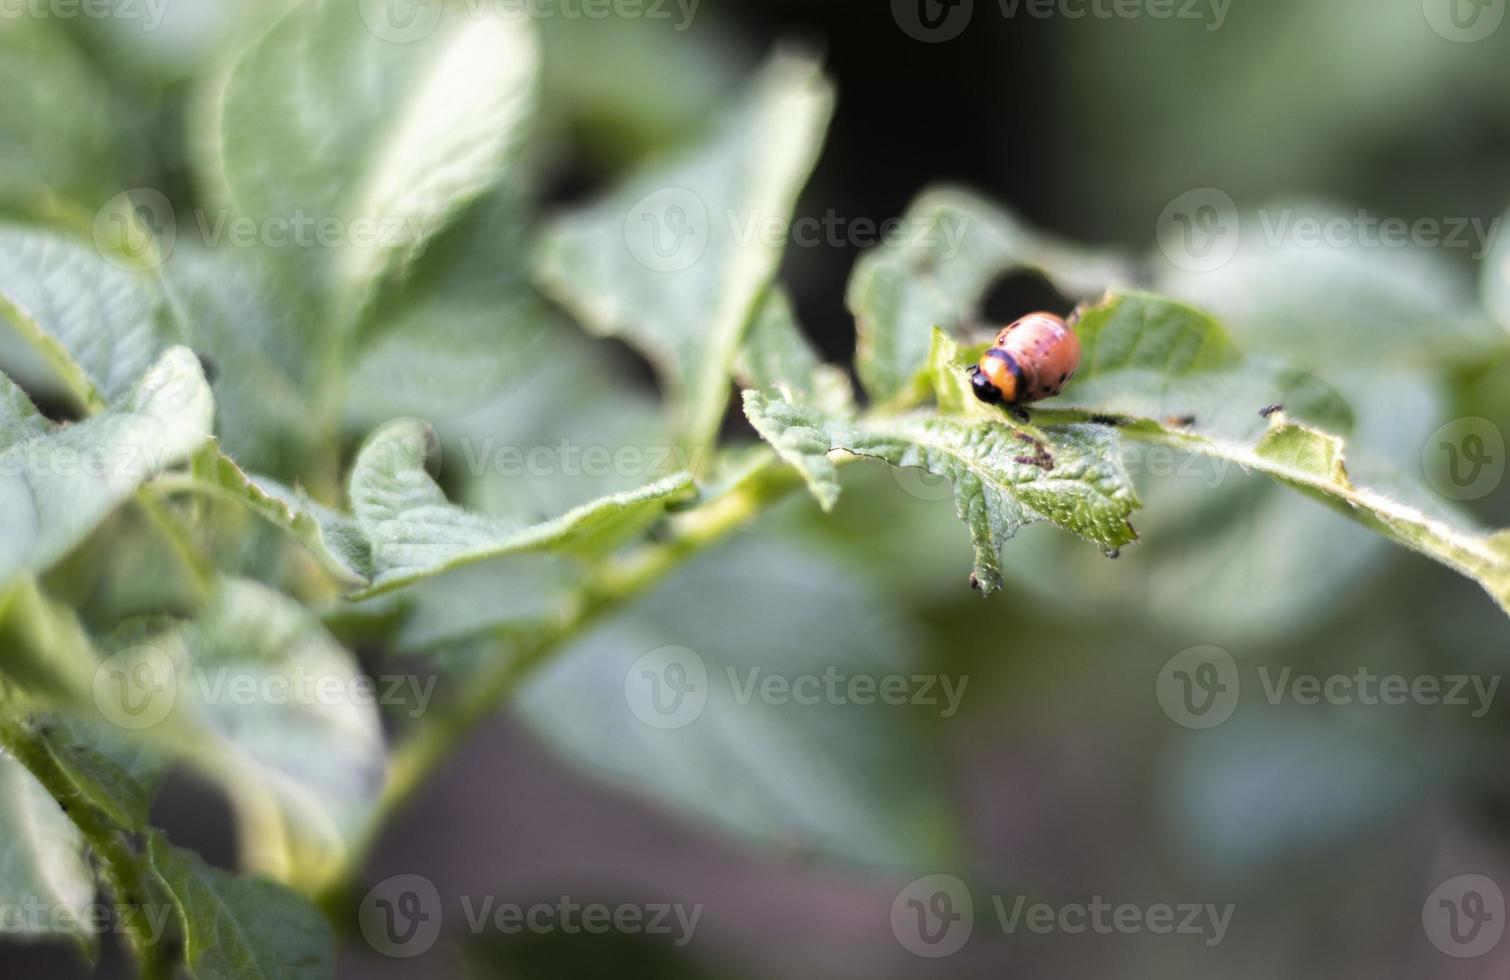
235 928
850 781
1330 307
415 533
777 354
303 756
467 325
42 862
262 351
1128 338
525 454
1494 278
97 326
384 140
117 776
19 419
73 151
333 538
1148 356
936 274
1315 463
45 655
677 260
56 488
1003 476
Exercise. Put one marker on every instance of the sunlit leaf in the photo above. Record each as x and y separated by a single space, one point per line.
56 488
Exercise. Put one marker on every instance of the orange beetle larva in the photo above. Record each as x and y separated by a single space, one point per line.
1031 359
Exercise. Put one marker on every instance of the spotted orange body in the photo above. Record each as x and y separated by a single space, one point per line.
1031 359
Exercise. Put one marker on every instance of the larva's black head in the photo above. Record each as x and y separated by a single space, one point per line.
983 388
997 379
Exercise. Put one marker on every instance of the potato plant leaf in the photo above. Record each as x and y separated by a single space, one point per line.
415 532
953 246
236 318
467 325
1330 306
238 927
42 858
269 704
117 776
678 260
57 487
1315 463
1004 476
776 353
1148 358
840 778
40 70
19 419
1157 358
333 538
1494 279
46 657
378 140
97 326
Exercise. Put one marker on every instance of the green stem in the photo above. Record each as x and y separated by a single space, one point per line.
609 589
120 867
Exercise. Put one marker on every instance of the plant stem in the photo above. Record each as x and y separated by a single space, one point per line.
609 589
120 867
